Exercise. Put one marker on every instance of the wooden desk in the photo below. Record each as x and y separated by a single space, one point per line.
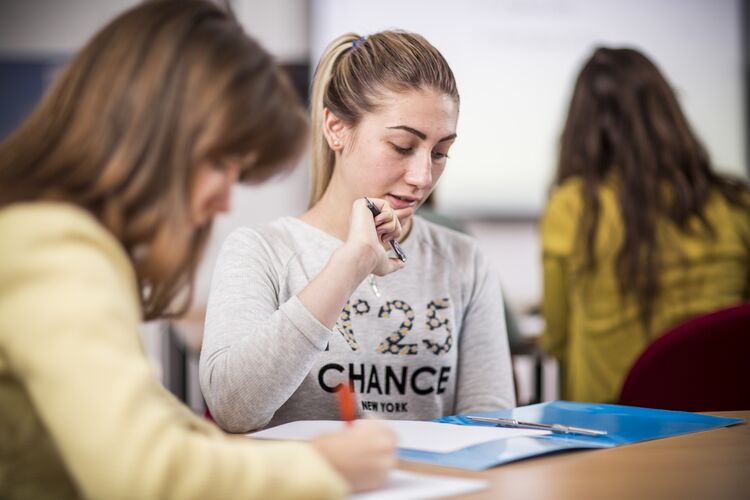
708 465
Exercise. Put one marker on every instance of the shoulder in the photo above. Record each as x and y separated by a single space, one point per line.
252 235
728 216
457 253
449 244
565 197
60 232
58 258
740 208
559 221
460 256
44 218
263 243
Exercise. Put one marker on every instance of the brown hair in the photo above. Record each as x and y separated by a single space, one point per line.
354 71
625 121
161 89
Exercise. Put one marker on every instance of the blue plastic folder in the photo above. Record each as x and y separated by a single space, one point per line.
624 425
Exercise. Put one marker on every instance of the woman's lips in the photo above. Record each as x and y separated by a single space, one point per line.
398 203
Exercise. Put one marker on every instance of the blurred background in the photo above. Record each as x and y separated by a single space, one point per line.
515 63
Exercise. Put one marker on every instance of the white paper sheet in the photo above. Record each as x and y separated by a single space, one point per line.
415 435
403 485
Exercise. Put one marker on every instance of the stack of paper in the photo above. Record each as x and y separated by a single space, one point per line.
412 435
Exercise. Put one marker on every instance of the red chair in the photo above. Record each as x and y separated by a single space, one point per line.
700 365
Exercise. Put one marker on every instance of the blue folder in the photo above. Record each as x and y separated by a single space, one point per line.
624 425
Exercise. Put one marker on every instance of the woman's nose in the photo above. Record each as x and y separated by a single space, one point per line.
419 173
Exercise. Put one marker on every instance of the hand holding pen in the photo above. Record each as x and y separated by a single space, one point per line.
364 451
375 231
394 244
361 256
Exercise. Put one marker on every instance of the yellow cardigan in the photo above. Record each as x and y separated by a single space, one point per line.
594 332
82 414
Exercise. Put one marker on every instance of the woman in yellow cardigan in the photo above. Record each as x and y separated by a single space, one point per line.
639 232
107 192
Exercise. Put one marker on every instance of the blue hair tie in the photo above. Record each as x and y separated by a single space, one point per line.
359 41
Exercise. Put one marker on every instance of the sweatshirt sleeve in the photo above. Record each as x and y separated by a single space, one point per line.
74 345
485 375
256 352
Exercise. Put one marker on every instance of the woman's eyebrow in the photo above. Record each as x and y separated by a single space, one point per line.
419 134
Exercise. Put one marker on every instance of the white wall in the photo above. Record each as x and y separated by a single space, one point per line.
281 26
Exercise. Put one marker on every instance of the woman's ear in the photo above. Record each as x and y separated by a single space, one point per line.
334 130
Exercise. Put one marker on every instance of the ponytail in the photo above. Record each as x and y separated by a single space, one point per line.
322 156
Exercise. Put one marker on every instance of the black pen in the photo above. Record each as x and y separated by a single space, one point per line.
394 244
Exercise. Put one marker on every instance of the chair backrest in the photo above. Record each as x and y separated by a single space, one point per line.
700 365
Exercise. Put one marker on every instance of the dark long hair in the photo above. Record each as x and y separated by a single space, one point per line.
624 121
160 90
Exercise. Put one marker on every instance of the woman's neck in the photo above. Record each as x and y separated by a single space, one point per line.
331 212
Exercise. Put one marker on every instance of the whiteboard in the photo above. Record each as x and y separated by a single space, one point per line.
516 61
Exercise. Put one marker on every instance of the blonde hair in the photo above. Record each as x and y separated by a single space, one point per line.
162 89
354 71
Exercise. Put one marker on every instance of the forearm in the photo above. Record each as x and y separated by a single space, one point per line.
144 445
249 369
210 466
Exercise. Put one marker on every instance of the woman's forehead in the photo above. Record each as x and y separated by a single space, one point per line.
429 111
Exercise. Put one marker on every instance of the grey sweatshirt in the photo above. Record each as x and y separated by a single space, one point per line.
423 342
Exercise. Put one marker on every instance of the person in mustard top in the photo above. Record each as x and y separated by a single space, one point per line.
107 192
639 233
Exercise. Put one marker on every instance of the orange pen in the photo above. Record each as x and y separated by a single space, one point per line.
347 403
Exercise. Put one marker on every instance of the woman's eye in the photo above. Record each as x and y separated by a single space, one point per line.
437 155
400 150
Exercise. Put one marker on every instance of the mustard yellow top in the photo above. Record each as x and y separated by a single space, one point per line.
82 414
596 334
